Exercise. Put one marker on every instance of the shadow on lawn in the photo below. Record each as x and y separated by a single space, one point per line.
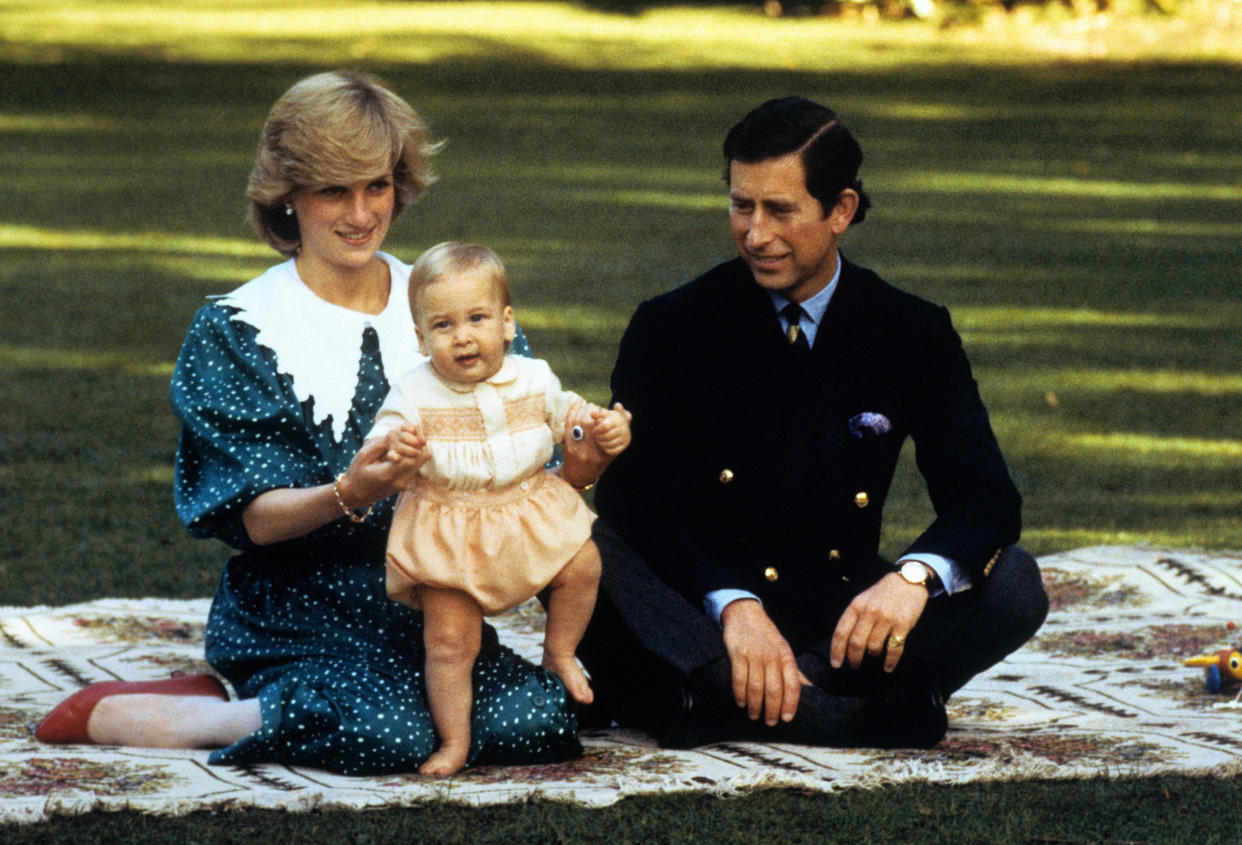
1079 219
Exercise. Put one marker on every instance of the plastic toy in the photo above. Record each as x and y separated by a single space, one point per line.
1222 671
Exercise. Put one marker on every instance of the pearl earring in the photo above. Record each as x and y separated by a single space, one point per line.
288 210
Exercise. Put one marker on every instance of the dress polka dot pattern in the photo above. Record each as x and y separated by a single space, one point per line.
305 625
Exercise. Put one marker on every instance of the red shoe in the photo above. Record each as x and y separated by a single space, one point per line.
66 724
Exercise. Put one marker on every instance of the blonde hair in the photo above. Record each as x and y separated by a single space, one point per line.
334 128
451 259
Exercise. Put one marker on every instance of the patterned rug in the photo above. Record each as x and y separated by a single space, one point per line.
1101 691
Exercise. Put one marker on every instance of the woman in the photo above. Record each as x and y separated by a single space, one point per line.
276 386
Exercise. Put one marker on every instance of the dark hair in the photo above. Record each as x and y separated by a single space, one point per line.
830 155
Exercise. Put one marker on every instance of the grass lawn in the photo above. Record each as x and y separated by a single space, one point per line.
1081 218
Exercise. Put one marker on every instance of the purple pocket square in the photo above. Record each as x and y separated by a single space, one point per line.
869 424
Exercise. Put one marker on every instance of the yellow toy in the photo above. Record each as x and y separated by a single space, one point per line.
1222 670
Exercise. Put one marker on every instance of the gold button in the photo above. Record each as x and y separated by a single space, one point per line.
862 499
771 574
726 475
834 555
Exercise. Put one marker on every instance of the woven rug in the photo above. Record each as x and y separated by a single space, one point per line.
1101 691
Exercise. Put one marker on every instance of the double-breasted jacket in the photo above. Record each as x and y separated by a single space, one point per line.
761 466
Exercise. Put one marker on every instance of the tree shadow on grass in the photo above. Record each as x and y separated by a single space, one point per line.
1097 193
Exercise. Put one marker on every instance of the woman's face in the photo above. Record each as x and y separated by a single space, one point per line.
464 326
342 226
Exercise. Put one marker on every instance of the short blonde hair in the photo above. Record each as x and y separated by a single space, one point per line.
334 128
452 258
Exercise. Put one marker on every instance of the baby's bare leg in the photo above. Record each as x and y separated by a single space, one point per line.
452 632
570 602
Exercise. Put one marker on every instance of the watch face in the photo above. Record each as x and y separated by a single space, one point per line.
914 572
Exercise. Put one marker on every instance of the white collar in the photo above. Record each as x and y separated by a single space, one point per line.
319 344
507 373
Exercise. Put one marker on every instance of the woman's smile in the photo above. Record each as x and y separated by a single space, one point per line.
342 226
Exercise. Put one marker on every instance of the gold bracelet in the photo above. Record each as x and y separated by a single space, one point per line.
353 517
584 487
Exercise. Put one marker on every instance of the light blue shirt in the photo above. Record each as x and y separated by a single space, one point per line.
813 309
953 579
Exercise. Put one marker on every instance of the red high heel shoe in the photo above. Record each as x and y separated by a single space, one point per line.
66 724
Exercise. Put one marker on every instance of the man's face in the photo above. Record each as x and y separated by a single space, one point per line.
781 230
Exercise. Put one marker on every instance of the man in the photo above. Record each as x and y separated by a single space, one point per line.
743 595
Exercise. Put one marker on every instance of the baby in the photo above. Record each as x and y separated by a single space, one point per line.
485 527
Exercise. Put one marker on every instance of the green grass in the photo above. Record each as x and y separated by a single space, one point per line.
1176 811
1081 219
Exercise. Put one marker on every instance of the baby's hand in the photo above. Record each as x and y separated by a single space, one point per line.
406 446
386 464
611 430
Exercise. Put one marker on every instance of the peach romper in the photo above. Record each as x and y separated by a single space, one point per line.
483 516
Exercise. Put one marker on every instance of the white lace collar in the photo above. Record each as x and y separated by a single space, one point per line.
318 344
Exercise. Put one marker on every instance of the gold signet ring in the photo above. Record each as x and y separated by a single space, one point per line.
896 641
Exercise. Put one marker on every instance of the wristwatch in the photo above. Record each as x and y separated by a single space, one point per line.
917 572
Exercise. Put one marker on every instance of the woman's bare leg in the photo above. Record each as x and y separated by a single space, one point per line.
172 721
452 634
570 602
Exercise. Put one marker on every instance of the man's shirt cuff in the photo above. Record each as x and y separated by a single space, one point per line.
717 600
953 578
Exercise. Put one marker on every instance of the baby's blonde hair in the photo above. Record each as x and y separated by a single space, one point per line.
452 258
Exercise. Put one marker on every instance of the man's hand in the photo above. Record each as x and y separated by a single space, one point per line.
766 679
890 607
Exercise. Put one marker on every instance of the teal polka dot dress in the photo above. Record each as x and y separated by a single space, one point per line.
305 625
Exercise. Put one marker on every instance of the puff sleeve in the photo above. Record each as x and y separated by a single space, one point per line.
243 430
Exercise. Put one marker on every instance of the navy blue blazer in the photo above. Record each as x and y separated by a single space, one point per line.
745 471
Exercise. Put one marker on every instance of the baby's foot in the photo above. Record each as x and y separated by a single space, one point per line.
445 761
571 674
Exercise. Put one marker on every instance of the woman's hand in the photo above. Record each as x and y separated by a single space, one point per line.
382 467
585 459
